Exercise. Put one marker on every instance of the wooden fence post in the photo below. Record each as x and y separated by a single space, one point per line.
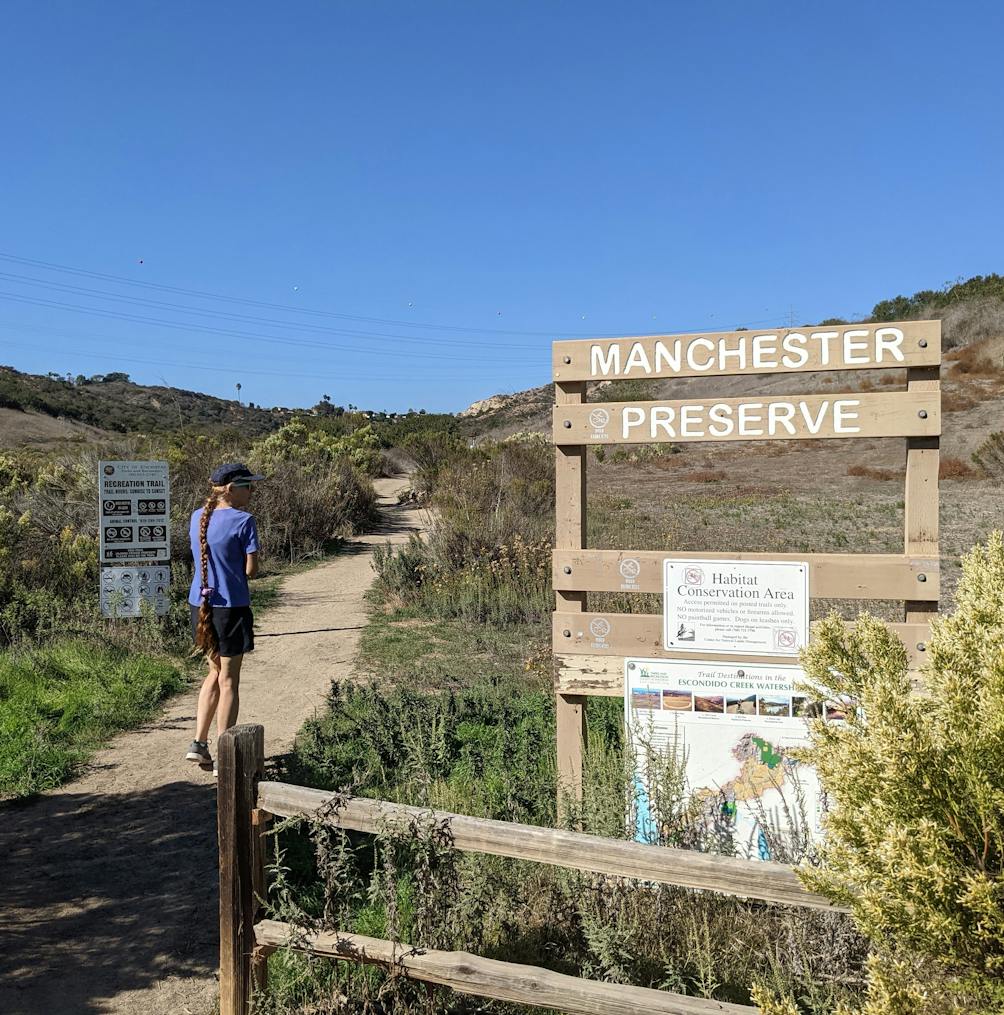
570 534
241 759
921 500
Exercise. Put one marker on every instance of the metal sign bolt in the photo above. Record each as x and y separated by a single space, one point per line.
567 569
922 413
566 633
922 577
923 343
567 424
566 359
921 647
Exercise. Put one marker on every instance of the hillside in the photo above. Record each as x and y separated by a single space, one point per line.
36 409
972 316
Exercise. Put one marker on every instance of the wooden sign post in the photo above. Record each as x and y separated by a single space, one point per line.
590 648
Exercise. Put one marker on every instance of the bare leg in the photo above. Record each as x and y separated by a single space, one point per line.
230 678
209 698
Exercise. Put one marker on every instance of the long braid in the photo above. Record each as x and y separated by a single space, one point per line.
205 634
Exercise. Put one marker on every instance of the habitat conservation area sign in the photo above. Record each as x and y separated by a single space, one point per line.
735 606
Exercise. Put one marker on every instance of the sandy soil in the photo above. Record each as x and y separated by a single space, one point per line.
111 887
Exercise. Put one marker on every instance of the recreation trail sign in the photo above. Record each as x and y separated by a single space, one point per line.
134 525
590 648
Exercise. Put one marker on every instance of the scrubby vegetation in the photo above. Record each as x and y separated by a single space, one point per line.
59 651
487 556
915 833
461 718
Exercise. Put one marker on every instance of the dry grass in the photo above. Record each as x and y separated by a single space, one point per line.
705 475
956 468
957 401
869 472
972 361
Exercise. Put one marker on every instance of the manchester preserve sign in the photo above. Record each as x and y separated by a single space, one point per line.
590 647
849 347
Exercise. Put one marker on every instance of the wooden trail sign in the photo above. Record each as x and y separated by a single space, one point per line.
590 648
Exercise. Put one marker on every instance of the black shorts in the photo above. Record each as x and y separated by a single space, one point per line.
234 626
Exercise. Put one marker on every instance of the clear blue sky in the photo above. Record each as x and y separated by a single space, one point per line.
507 172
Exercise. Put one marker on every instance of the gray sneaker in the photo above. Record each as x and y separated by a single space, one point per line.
199 753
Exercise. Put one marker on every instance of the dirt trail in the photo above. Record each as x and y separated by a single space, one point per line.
109 899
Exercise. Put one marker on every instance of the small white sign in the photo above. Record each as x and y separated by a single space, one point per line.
741 607
134 512
125 589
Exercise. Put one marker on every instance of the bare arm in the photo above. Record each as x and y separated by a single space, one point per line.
251 565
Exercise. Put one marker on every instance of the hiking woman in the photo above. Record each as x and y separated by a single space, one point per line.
225 549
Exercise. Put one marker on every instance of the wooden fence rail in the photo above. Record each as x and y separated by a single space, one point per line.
245 803
502 981
769 882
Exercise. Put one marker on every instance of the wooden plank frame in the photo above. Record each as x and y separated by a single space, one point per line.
903 344
778 418
588 647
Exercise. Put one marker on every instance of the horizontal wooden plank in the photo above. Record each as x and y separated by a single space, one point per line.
771 882
771 351
603 676
480 977
640 634
831 575
780 418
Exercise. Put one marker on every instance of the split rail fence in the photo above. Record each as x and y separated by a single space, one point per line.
246 803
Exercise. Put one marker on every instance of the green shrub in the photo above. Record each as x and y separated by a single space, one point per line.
487 556
313 448
989 456
915 835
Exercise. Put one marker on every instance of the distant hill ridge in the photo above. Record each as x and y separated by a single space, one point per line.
113 402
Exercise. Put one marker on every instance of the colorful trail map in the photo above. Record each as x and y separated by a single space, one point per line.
734 728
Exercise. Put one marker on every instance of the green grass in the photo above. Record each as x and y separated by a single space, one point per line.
404 646
60 703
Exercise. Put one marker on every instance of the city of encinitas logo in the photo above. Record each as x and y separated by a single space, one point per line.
599 418
599 628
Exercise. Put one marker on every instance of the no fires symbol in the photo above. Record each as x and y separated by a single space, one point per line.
630 569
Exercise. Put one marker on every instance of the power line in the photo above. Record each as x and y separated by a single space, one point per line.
227 332
216 369
288 308
178 290
268 322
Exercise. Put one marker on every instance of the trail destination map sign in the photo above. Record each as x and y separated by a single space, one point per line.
736 606
733 725
134 511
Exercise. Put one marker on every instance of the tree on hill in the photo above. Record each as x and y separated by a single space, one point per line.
930 301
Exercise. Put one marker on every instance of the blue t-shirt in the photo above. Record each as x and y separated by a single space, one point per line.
232 535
